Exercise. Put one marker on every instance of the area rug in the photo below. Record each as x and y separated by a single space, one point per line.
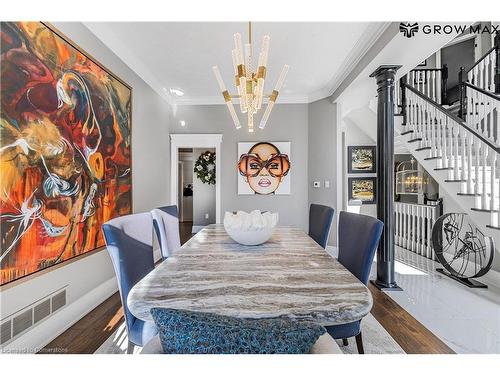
376 340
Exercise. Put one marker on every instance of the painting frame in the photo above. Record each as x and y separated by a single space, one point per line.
129 110
353 180
351 153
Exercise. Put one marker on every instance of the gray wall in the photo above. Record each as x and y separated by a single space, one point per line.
203 195
322 158
150 161
288 122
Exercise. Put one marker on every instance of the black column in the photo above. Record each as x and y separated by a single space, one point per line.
385 76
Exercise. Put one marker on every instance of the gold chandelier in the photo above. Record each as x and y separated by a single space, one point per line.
249 83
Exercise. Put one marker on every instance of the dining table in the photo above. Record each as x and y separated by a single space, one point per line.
290 275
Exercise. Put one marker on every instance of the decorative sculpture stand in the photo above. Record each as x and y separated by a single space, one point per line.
463 250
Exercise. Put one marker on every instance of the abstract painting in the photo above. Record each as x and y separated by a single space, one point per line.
264 168
363 188
65 153
361 159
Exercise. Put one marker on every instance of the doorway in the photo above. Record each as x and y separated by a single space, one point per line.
455 56
185 192
184 150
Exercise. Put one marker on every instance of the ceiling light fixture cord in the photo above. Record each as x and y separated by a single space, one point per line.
249 32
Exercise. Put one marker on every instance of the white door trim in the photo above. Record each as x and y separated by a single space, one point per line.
194 141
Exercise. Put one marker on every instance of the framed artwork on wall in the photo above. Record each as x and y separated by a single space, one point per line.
264 168
361 159
363 188
65 149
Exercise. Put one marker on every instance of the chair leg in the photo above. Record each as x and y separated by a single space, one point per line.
359 343
345 342
130 348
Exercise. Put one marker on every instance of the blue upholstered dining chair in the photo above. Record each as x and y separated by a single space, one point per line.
129 243
358 239
320 222
166 224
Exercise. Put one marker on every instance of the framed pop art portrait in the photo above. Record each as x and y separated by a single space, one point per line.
264 168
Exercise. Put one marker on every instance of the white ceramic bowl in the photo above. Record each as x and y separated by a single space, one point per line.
252 228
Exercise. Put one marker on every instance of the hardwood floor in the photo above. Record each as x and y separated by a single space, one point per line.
90 332
408 332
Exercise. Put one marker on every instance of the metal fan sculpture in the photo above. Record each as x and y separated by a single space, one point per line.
463 250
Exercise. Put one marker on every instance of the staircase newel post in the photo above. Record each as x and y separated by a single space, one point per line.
461 87
497 68
385 77
444 85
402 82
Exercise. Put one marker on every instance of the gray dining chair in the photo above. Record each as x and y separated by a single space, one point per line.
166 225
129 242
359 236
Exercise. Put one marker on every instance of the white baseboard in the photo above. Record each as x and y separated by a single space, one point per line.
197 228
42 334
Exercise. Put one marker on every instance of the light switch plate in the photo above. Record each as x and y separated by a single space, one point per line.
327 184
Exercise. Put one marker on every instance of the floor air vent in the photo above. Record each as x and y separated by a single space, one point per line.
41 311
17 323
58 300
5 332
22 322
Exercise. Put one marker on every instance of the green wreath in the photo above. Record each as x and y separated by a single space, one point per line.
204 168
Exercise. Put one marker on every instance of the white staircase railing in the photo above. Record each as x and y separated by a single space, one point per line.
482 74
482 112
470 156
413 228
430 82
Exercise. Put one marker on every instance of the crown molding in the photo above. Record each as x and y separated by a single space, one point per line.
129 59
361 47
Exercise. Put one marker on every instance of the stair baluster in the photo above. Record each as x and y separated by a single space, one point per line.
493 161
463 156
433 152
470 182
476 169
484 195
454 135
446 141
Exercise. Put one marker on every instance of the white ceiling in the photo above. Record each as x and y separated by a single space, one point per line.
181 55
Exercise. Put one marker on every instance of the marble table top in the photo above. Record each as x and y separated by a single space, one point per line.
290 275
